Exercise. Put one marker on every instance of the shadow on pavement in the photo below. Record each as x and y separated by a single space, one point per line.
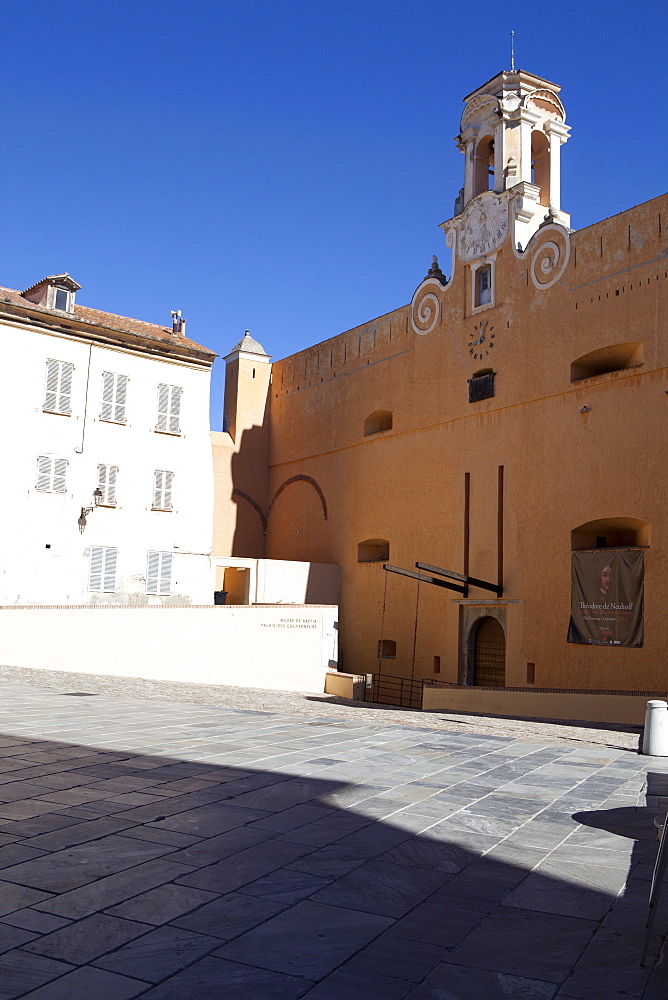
127 874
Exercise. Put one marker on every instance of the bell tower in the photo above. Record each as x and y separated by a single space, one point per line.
511 133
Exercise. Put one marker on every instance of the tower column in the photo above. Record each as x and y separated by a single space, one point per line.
500 156
467 146
528 119
557 134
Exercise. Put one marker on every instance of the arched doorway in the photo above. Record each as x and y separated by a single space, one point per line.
489 654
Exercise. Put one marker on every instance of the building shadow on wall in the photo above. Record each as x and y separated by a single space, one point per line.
250 486
188 879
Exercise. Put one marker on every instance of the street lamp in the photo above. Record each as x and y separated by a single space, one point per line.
85 511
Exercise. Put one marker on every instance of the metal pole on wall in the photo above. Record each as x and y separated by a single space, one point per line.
655 736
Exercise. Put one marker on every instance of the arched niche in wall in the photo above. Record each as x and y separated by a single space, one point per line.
613 358
373 550
379 420
609 533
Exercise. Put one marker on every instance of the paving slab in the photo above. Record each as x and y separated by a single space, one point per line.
278 847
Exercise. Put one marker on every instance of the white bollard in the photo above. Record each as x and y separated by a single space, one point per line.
655 737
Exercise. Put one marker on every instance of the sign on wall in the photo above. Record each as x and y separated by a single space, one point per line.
607 597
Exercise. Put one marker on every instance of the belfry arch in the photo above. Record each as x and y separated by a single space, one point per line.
483 165
540 165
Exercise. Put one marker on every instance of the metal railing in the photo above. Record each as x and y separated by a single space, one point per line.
389 689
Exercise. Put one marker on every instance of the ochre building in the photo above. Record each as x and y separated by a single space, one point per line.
512 414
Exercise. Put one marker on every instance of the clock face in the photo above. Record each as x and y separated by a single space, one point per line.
483 228
481 343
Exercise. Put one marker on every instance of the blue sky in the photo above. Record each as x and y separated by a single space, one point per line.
283 165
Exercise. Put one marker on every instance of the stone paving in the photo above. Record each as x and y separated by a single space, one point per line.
173 851
303 703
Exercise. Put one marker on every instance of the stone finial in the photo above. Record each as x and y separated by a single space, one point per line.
435 271
552 214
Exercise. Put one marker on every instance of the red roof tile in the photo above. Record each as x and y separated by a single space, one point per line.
109 321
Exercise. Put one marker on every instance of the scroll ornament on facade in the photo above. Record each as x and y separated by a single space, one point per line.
426 303
550 251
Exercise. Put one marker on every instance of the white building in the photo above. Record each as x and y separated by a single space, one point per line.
107 489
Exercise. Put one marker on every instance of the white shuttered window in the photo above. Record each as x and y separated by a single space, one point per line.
58 387
106 480
114 394
169 408
102 572
51 474
162 489
159 573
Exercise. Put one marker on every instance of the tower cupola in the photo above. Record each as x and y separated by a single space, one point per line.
511 133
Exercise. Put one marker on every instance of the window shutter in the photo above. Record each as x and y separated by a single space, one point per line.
95 573
107 407
153 573
51 388
163 407
58 386
102 574
165 573
174 410
157 488
112 472
162 490
65 394
59 470
43 473
106 480
114 394
109 580
121 394
167 490
169 408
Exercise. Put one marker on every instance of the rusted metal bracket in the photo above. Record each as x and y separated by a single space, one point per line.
460 588
424 579
471 581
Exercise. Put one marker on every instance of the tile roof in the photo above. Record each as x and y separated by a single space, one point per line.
109 321
249 345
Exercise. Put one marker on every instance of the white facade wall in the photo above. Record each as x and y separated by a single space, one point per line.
44 558
281 648
282 581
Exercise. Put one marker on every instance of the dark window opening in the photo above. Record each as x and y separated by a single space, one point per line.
387 649
373 550
531 673
437 664
379 420
483 294
481 386
610 533
614 358
61 299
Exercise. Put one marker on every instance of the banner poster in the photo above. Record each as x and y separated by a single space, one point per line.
607 597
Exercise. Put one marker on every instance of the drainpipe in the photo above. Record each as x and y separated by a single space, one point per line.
79 451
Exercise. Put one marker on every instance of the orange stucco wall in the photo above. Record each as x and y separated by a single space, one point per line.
561 467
